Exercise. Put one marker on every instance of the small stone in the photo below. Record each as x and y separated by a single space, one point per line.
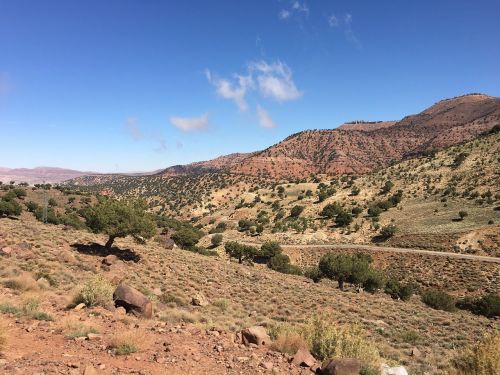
79 306
267 365
94 337
89 370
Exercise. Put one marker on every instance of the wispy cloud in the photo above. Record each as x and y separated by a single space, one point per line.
235 91
333 21
190 124
294 8
160 139
265 120
272 80
345 24
275 81
132 126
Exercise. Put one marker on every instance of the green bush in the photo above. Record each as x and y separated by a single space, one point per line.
96 292
399 291
216 239
488 305
239 251
439 300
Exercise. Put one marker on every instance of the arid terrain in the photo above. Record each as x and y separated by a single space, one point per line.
415 202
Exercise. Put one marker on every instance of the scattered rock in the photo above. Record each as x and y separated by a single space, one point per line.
89 370
79 306
400 370
199 300
109 260
415 352
132 301
3 362
267 365
303 358
344 366
255 335
94 337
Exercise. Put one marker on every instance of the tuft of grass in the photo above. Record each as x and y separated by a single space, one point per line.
222 304
21 283
179 316
7 308
96 292
286 339
75 328
41 315
128 342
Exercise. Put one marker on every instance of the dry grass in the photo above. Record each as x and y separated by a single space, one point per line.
129 341
482 359
3 335
73 327
22 283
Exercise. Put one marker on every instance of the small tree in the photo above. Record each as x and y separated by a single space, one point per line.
186 238
240 251
336 267
343 219
268 250
388 231
10 208
216 239
120 219
296 211
331 210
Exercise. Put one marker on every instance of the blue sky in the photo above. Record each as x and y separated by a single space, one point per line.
123 85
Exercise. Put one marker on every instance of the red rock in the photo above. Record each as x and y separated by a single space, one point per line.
303 358
133 301
255 335
344 366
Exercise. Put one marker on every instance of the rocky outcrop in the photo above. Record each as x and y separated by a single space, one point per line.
255 335
133 301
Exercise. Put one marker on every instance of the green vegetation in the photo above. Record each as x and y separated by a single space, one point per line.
439 300
120 219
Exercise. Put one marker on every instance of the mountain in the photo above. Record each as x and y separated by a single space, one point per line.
39 175
361 146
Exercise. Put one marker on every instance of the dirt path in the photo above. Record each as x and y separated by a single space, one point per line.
478 258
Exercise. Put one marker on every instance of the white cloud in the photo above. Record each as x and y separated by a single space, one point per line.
284 14
300 7
275 81
333 21
188 124
265 120
133 128
230 90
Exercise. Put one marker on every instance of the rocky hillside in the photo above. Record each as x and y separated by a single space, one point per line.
361 146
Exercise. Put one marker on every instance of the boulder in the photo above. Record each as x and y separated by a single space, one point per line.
133 301
199 300
43 283
109 260
400 370
255 335
303 358
344 366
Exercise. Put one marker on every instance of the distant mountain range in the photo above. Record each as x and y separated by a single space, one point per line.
356 147
360 146
49 175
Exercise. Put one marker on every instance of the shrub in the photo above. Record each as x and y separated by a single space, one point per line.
462 214
286 339
268 250
482 359
240 251
488 305
96 292
354 269
216 239
10 208
314 274
374 281
388 231
281 263
331 210
296 211
128 342
398 291
343 219
186 238
327 340
439 300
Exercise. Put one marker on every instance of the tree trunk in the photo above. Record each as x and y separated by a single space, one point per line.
109 243
341 284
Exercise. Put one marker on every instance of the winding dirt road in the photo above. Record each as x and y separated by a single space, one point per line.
478 258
